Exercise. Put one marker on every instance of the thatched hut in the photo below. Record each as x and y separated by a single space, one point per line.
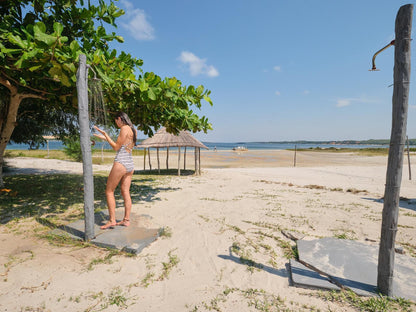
164 139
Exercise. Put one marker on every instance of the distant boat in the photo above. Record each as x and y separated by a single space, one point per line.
240 148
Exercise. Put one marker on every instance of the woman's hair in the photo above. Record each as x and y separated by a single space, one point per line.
126 120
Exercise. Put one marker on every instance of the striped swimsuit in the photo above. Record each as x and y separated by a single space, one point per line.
125 158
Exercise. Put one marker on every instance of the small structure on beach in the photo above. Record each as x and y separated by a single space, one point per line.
164 139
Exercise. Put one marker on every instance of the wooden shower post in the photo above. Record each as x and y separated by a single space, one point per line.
82 90
403 29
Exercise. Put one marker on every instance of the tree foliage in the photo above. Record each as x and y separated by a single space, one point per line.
40 44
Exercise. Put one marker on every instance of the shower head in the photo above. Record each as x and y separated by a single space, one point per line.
379 51
95 75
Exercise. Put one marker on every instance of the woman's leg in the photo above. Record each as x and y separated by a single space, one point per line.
116 173
125 192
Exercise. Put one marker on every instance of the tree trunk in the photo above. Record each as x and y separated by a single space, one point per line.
7 128
396 151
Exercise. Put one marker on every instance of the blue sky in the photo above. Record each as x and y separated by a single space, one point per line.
278 70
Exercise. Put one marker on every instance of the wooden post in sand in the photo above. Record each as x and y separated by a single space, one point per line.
403 29
408 158
158 162
179 160
148 155
82 90
294 161
144 160
167 158
184 159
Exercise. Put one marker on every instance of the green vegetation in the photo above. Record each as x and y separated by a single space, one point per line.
372 304
105 260
168 266
40 46
165 232
98 157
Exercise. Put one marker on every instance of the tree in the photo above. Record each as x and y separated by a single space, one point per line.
40 44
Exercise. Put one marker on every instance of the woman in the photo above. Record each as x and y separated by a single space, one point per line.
122 170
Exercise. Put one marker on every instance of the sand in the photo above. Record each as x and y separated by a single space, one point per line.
226 251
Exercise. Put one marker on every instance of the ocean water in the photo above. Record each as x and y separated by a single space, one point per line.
283 146
58 145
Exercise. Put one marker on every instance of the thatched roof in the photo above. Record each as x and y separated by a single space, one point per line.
162 138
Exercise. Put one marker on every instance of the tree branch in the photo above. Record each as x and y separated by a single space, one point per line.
18 83
30 95
8 85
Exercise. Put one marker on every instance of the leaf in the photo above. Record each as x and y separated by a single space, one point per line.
55 72
34 68
40 35
143 86
199 90
65 80
208 99
18 41
58 28
70 67
10 51
74 45
151 94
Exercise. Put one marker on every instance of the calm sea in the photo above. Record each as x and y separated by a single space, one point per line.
57 145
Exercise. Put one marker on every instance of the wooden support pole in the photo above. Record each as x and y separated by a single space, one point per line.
403 29
294 161
144 160
199 160
179 160
195 154
84 125
167 158
148 157
408 159
184 159
158 162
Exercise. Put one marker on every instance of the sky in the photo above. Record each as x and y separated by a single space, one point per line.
277 70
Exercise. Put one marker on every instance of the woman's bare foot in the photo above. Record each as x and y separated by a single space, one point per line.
108 225
125 222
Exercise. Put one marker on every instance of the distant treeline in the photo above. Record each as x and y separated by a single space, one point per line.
347 142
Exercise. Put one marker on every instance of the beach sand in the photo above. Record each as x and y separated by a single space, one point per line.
226 251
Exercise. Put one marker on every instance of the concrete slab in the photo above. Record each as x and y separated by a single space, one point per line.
354 265
132 239
303 276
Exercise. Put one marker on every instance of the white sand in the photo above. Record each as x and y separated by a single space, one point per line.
207 214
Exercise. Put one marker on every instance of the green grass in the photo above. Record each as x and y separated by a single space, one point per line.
59 199
45 196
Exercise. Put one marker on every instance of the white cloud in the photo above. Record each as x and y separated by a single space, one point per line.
196 65
277 68
306 92
277 93
137 23
343 102
348 101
